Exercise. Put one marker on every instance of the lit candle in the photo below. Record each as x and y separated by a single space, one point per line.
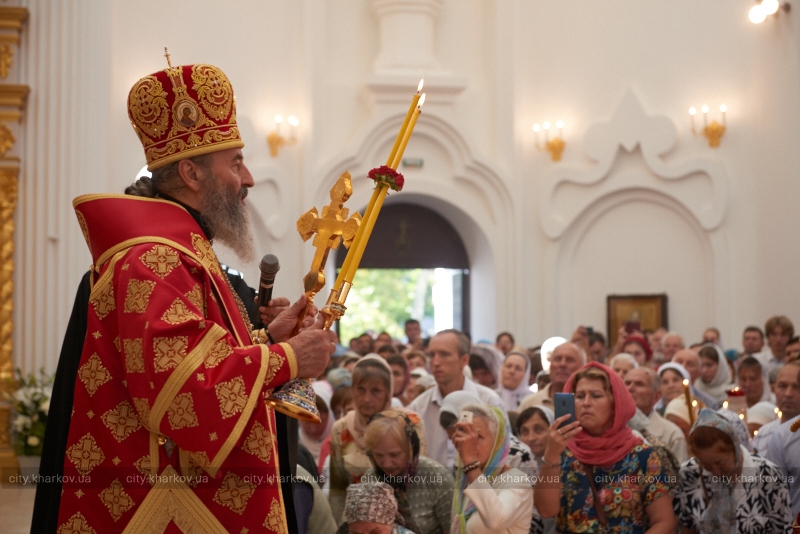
404 127
407 134
546 128
560 126
688 398
705 115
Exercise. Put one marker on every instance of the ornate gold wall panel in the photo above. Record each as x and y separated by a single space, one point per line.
12 105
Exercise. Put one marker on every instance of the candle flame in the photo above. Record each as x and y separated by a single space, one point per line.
777 410
685 382
755 433
725 405
421 101
694 403
741 416
419 87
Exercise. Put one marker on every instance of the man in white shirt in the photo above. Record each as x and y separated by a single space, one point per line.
448 355
787 394
752 340
784 451
750 376
564 361
644 386
779 331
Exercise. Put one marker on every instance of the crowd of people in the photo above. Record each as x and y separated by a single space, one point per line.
451 435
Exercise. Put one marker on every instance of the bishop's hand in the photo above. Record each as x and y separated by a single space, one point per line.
282 326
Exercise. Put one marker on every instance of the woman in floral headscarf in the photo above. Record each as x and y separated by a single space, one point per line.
608 479
489 496
737 493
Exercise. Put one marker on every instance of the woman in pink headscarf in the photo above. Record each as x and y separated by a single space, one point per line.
596 475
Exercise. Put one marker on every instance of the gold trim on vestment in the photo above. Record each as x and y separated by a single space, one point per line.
173 500
254 398
290 355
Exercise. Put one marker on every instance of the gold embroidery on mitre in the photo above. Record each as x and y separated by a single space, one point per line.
206 254
169 351
260 442
116 500
232 396
161 259
276 521
181 412
122 421
138 295
195 296
149 108
218 352
93 374
143 409
134 362
103 301
76 525
84 228
234 493
214 90
179 313
85 454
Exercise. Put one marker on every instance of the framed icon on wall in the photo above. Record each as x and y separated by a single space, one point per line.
635 312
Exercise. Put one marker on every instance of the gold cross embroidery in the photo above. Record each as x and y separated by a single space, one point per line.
161 259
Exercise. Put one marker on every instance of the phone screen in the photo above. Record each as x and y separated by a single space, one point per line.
564 404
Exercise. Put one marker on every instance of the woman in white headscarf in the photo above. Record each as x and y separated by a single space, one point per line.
514 379
715 375
372 393
312 435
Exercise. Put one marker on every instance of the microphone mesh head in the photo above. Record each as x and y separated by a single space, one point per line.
270 264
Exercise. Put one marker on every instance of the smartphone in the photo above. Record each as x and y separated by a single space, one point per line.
633 326
564 404
465 417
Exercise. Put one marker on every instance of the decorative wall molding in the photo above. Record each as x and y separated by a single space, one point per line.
407 35
569 191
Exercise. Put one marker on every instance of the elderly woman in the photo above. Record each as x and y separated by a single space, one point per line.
533 427
638 347
423 488
490 497
372 393
622 363
370 508
519 455
608 480
715 376
724 489
514 379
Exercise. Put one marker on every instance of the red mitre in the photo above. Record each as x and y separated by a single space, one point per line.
184 111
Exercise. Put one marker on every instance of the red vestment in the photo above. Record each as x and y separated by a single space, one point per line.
170 431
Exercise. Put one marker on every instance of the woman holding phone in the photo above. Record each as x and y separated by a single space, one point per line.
489 495
596 475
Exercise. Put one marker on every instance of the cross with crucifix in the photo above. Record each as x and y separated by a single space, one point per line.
327 230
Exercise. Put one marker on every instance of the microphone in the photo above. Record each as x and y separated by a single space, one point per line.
269 268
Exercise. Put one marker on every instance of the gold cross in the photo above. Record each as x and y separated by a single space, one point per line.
332 227
166 55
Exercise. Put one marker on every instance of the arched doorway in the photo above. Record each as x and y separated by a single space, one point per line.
407 237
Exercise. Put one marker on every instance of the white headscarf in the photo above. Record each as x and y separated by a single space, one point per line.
322 389
512 397
719 386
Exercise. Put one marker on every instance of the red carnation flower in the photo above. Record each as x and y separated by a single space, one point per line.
388 176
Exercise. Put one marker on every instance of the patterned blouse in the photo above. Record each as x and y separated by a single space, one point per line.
761 503
625 488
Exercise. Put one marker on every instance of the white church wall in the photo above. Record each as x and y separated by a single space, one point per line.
501 67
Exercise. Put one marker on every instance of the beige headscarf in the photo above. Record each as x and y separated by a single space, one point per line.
357 423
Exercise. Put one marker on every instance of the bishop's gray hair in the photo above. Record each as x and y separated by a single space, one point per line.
164 179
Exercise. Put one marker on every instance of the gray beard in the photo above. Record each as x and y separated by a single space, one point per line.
228 218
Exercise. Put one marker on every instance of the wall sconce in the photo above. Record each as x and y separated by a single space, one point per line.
714 131
275 140
555 145
765 8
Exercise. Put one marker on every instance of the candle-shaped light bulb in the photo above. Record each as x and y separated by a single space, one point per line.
723 108
757 14
560 126
419 87
692 111
278 119
536 128
704 109
546 126
293 120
